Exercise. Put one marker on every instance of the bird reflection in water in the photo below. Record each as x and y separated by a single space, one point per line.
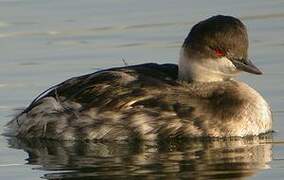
198 158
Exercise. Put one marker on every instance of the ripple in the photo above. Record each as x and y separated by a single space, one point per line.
29 63
28 34
277 142
151 44
115 46
4 24
3 85
4 107
140 26
12 85
95 30
9 165
263 16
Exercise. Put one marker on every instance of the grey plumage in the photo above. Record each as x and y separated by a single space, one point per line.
123 103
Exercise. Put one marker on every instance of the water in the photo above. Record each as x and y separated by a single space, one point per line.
46 42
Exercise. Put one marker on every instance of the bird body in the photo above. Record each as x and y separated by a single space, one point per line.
196 98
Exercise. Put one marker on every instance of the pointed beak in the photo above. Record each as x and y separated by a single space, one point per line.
246 65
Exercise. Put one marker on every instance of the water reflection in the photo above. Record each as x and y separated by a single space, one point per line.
205 159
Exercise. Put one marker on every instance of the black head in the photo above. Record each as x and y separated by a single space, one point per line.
221 36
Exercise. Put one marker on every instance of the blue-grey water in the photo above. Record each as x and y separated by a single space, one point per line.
43 42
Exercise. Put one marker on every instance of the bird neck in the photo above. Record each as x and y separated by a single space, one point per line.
192 68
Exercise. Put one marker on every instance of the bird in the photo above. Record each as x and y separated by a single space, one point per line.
197 97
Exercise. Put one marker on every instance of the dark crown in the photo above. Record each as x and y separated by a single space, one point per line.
225 33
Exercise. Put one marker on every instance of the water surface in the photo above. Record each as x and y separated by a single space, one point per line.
45 42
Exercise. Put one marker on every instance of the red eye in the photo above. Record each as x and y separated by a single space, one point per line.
219 53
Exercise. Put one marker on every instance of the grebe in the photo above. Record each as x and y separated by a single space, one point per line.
197 98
